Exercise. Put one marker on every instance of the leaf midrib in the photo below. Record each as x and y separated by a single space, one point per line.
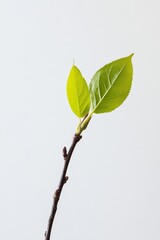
78 101
108 89
78 97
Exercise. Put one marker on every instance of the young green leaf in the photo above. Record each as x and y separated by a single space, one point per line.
78 93
111 85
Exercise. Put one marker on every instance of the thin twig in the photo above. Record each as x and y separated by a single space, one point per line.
63 180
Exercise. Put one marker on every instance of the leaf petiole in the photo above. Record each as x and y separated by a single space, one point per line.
84 123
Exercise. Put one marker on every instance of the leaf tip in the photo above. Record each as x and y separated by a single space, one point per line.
131 55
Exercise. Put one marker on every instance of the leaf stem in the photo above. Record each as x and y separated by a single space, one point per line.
63 180
83 124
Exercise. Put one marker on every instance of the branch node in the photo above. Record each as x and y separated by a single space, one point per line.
77 137
66 179
56 195
65 153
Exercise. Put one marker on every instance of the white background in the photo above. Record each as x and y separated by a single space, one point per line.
114 188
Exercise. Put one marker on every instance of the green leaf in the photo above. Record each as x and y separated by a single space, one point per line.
111 85
78 93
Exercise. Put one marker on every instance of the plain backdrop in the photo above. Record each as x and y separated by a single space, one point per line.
113 190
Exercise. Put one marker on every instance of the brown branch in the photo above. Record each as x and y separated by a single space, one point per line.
63 180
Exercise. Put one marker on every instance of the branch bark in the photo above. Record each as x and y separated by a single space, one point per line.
63 180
